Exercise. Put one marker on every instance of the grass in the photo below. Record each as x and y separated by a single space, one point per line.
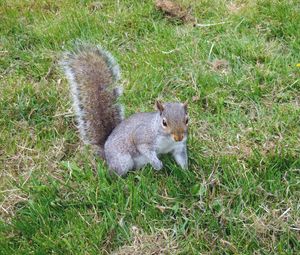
242 191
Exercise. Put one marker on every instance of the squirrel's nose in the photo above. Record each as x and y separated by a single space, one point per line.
178 137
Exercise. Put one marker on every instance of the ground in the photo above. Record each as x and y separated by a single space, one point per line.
238 70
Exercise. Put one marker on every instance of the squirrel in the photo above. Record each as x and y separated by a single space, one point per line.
125 144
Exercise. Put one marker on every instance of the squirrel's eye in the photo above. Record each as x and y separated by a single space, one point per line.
186 121
164 123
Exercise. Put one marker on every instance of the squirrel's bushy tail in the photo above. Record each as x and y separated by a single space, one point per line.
92 74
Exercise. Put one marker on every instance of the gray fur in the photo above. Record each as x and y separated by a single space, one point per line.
93 73
79 112
125 144
141 138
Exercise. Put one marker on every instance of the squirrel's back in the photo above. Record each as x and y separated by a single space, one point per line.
92 74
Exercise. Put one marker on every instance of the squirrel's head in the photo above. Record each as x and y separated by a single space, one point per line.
173 119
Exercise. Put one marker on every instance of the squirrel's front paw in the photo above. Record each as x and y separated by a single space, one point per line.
157 165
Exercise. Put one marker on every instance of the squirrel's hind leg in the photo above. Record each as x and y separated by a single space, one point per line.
140 161
120 163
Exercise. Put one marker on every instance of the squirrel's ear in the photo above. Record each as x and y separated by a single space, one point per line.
159 106
185 104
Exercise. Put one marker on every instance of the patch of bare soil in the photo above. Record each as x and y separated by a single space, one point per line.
173 10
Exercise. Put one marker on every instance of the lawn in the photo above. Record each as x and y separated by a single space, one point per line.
241 194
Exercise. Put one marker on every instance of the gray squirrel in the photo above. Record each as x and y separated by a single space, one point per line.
125 144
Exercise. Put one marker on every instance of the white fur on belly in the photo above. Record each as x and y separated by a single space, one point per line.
166 144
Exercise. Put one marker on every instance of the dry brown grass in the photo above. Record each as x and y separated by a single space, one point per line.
150 244
220 66
235 7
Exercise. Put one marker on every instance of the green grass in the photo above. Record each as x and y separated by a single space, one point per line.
242 191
